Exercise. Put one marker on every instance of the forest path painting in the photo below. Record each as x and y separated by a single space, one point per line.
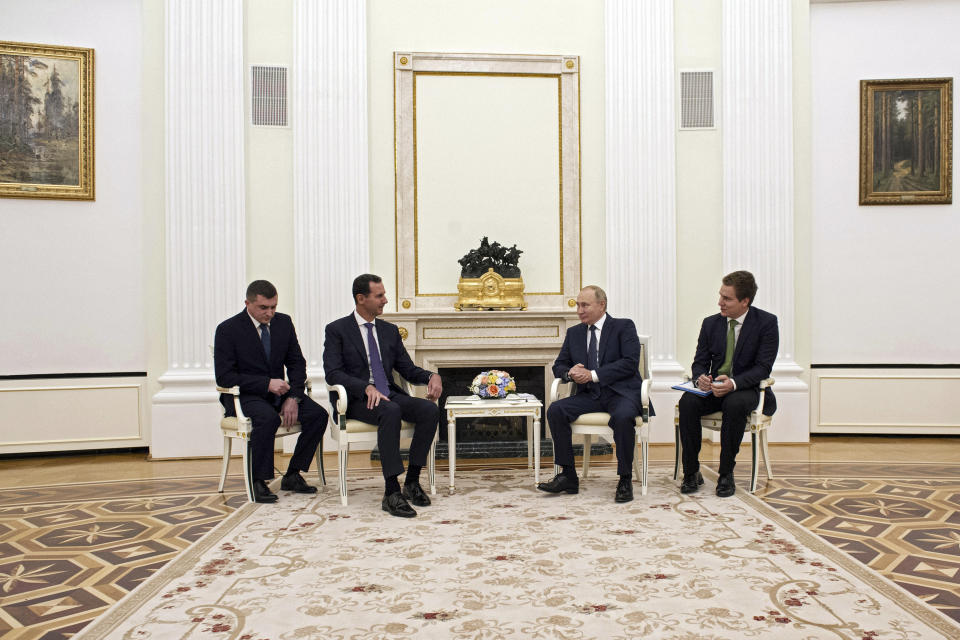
46 121
906 141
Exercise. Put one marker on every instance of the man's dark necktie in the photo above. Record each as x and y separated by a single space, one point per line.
376 364
265 339
593 362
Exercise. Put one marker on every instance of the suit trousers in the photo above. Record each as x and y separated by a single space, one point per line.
266 420
388 416
735 406
623 413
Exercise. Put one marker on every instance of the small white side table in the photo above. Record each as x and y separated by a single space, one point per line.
461 407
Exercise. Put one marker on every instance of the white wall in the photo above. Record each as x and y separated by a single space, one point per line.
268 40
883 286
73 270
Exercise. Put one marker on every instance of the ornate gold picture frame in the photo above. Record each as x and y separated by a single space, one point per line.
906 141
46 122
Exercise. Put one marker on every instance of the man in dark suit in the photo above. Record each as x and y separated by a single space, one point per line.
602 355
735 352
251 350
361 353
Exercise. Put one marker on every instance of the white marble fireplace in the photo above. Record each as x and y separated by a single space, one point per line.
484 339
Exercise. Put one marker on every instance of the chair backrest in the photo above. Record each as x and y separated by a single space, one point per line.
644 356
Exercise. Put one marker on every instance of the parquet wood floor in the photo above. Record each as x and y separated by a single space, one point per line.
79 532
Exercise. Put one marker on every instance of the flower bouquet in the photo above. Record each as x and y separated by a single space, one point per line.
493 384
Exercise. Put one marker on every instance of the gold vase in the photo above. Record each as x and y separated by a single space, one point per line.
491 291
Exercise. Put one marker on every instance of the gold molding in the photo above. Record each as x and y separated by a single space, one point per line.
416 182
403 333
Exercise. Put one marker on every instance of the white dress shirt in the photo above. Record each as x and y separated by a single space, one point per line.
257 325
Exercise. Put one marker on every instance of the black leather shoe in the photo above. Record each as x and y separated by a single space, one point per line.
624 490
295 482
726 486
261 493
561 484
414 493
691 482
396 505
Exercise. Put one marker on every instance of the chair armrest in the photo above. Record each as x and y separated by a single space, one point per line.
555 389
235 392
244 425
340 405
764 384
645 400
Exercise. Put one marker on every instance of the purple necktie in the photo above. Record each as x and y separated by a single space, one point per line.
376 364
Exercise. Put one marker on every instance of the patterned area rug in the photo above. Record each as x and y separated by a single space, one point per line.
501 560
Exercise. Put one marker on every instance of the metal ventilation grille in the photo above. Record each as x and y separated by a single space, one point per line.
268 89
696 100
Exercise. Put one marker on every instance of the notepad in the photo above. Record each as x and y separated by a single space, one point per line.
692 388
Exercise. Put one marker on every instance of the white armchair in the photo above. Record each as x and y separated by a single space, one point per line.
757 425
348 431
238 427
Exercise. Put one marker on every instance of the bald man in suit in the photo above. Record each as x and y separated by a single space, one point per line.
602 356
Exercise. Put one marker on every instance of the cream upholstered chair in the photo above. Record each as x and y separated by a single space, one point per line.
591 424
757 425
238 427
349 431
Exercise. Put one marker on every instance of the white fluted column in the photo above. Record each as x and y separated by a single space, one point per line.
330 176
204 214
640 184
758 161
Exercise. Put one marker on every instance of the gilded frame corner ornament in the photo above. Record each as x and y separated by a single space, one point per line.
906 141
47 140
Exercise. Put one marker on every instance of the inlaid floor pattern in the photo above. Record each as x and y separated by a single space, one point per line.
68 552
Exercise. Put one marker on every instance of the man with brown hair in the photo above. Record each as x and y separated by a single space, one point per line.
735 352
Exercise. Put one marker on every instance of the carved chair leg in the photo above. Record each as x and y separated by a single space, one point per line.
677 452
248 468
587 445
227 446
754 463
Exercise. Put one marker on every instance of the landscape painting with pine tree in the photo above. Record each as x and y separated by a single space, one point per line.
905 142
46 121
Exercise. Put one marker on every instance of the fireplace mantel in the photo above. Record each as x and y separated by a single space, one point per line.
485 339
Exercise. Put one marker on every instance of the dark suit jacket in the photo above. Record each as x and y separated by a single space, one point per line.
345 358
753 357
619 356
239 358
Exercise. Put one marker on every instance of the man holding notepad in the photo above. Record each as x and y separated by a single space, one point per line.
735 352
